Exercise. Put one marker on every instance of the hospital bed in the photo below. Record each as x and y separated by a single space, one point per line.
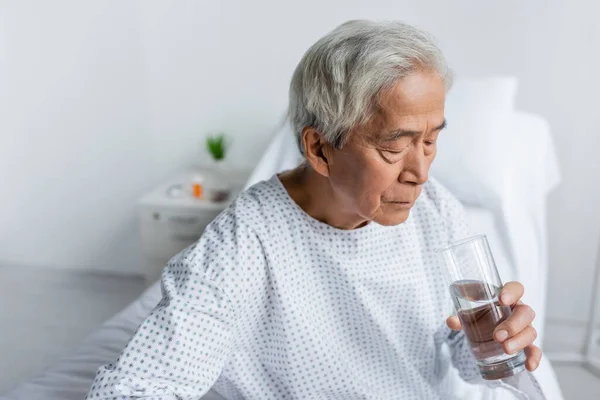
510 210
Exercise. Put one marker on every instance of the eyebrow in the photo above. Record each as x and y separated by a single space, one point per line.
398 133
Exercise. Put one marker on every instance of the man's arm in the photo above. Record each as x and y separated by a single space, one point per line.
179 351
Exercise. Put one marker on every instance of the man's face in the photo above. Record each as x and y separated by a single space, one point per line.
380 171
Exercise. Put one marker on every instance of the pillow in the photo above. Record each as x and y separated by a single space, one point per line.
281 154
474 152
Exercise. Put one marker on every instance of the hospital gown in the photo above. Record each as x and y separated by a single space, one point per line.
273 304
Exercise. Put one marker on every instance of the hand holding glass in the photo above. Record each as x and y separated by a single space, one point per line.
475 284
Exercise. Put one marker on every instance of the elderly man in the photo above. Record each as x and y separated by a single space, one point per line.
322 282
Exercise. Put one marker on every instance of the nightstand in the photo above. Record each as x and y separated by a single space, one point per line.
171 219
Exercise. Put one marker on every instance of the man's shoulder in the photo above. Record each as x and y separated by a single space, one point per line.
230 251
250 209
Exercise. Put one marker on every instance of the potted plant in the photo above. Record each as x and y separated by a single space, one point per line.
217 146
217 186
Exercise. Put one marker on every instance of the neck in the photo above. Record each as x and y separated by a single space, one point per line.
315 195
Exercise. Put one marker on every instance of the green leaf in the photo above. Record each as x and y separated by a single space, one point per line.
216 146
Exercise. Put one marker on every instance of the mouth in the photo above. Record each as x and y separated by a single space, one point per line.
401 204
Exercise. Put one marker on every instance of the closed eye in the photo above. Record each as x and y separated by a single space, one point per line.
392 156
432 139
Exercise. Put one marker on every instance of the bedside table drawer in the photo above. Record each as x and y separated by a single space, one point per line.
171 219
165 233
186 224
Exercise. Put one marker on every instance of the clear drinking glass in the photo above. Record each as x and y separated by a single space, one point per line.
475 284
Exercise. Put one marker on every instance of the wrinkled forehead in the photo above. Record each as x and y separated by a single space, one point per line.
418 95
411 107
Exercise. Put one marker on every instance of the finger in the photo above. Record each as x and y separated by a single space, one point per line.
519 342
534 356
521 318
510 293
518 303
454 323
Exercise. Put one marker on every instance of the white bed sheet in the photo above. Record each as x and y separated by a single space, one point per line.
71 378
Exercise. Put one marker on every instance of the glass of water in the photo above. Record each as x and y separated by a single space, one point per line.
475 284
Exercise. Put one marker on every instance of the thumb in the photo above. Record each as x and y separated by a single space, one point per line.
454 323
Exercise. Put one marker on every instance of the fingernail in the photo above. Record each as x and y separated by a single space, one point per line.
501 335
505 297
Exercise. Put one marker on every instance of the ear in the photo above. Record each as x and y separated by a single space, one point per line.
316 150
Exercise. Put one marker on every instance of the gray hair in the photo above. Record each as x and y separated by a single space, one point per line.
336 85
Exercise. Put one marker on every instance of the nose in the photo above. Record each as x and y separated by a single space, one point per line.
416 167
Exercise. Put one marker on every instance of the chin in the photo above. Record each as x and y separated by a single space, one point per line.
392 219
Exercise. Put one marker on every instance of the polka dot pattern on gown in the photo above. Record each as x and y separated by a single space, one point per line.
273 304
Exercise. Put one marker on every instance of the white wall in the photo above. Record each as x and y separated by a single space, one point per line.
106 98
73 148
